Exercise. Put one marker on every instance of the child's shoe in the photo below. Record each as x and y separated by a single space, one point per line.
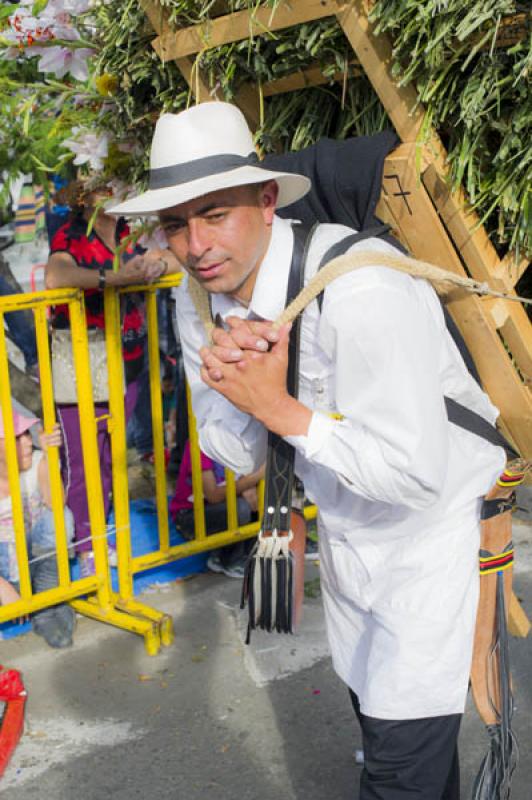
56 623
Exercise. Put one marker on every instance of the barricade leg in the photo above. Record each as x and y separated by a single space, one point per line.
149 630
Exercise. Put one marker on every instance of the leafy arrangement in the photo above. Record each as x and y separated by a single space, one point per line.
475 87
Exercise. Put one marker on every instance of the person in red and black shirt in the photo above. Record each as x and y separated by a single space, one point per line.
85 260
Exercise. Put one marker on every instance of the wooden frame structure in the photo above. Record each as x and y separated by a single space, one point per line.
433 221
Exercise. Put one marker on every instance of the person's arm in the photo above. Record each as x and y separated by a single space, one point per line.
8 593
226 435
46 440
212 491
249 481
62 272
158 263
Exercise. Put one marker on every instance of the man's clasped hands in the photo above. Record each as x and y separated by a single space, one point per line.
247 363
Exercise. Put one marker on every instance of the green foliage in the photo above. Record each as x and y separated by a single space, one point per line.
32 128
479 99
145 87
477 93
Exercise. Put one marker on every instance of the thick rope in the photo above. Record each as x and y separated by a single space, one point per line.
442 280
200 298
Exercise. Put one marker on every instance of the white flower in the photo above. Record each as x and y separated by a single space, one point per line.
90 148
154 239
60 60
120 191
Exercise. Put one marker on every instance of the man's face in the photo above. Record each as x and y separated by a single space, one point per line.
222 237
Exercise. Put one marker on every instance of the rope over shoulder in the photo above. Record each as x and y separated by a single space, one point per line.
441 279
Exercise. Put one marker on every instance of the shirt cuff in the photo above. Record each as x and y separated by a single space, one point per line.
320 429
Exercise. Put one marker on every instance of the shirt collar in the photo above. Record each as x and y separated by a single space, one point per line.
269 293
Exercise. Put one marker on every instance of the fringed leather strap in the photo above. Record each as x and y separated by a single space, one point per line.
269 583
490 669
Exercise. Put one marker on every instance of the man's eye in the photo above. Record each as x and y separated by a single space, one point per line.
172 227
215 216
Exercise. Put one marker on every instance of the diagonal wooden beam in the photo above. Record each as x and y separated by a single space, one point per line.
241 25
512 269
460 222
156 15
375 56
486 327
191 73
305 78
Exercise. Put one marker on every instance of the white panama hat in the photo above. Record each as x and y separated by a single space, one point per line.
203 149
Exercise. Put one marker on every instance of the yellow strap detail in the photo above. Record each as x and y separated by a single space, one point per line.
488 559
496 569
517 479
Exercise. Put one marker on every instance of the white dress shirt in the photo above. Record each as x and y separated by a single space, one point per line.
398 487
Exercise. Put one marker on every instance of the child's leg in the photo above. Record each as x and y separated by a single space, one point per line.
56 623
43 538
74 471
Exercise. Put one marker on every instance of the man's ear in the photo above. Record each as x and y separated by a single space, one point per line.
269 193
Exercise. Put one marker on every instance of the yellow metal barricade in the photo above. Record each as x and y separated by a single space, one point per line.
94 596
67 589
166 553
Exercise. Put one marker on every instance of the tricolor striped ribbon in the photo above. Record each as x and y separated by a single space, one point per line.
510 479
497 563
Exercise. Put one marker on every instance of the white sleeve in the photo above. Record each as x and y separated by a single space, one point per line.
226 434
392 443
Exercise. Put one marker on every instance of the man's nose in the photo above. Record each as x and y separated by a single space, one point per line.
198 238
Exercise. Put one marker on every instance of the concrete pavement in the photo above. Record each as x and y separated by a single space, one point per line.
209 717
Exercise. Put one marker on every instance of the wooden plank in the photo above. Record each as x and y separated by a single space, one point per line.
498 310
375 56
422 231
518 623
463 226
304 78
241 25
190 72
156 15
517 334
158 18
512 269
247 99
497 373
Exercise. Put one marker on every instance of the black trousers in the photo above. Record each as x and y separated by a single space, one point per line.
413 759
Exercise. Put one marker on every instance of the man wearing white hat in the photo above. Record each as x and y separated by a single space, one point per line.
397 485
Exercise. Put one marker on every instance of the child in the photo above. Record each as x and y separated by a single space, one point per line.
231 559
55 624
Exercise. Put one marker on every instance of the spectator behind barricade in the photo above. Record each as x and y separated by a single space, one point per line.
83 257
230 560
57 209
56 623
169 390
140 427
21 324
